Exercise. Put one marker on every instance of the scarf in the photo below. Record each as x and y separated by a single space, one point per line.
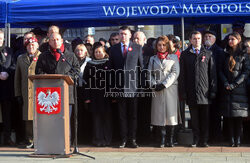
97 62
55 53
162 55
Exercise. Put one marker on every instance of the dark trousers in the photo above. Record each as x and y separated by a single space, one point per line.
144 112
235 126
28 131
128 117
17 121
102 128
215 133
6 115
200 122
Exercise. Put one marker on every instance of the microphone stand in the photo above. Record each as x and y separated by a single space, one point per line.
76 76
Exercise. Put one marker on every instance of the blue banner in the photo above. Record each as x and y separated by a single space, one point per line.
78 13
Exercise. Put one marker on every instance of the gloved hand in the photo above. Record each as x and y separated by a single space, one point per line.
19 100
159 87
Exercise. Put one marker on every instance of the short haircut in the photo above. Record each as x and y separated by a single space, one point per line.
53 26
26 33
140 32
125 28
54 34
194 33
114 34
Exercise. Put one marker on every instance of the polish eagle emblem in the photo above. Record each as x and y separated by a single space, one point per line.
48 101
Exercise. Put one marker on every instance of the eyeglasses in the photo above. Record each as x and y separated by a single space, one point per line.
114 39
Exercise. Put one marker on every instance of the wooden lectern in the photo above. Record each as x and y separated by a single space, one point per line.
51 114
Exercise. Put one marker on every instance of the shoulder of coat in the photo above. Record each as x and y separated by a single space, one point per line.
153 57
22 55
173 56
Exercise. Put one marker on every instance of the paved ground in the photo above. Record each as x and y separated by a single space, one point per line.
139 155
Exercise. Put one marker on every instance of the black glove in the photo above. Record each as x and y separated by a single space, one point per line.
159 87
19 100
212 95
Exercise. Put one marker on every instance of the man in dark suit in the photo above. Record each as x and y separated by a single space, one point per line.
7 71
125 57
198 86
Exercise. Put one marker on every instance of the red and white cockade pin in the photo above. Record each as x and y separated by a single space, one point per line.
35 59
203 58
5 54
63 60
130 49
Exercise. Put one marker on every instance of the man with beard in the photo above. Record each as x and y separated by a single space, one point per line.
214 115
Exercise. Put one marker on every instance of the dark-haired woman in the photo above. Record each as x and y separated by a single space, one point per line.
175 45
99 105
234 74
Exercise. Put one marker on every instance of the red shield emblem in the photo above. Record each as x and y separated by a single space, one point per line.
48 100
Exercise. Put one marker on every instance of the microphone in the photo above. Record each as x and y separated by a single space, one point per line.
60 52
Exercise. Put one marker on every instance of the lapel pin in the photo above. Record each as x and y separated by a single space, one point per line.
203 58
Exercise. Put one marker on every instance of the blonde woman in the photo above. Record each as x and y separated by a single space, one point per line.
82 54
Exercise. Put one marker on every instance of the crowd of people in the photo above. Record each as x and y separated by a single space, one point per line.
145 83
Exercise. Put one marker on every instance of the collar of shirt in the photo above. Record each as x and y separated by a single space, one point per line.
127 44
199 49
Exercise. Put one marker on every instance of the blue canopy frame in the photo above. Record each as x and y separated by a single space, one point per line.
85 13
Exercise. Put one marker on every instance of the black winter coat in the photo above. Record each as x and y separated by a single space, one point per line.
198 79
47 64
248 83
95 74
7 65
234 103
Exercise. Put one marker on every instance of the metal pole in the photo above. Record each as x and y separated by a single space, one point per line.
8 35
7 27
182 32
182 103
